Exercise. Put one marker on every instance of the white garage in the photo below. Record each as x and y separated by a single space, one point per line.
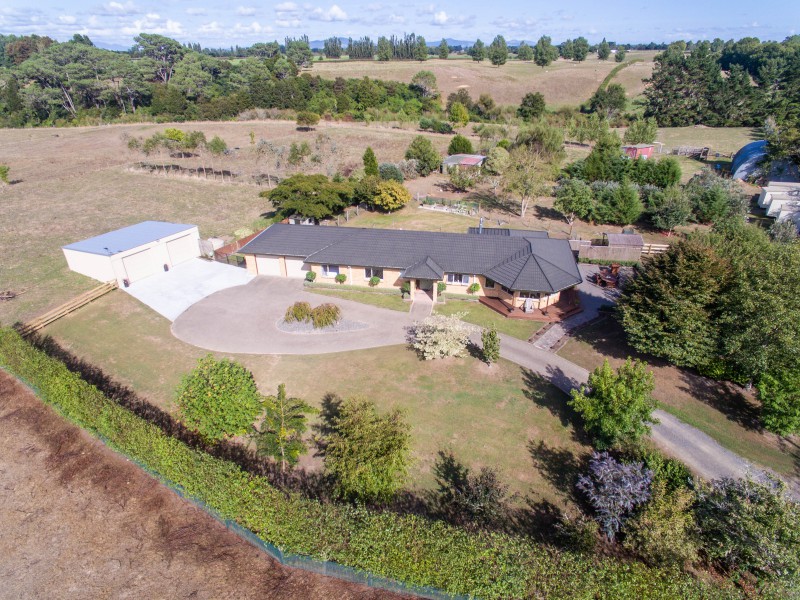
268 265
133 253
295 267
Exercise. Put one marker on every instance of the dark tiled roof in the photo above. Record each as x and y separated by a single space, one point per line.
294 240
507 232
424 269
520 263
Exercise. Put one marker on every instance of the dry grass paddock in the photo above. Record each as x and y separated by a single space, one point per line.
563 83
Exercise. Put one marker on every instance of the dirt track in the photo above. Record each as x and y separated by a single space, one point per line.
79 521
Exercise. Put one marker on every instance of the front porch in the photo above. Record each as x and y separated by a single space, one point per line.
566 306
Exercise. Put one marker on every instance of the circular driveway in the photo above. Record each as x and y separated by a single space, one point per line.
243 320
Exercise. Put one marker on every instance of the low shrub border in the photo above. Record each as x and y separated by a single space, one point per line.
354 288
406 548
602 261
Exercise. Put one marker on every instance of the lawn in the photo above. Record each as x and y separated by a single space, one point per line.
724 411
496 416
478 314
380 299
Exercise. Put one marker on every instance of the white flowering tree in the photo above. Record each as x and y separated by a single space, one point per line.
440 336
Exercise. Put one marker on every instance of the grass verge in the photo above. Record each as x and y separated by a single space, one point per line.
392 301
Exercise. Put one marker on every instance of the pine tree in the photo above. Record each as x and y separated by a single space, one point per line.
370 163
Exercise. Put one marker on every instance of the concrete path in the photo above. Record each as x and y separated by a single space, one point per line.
169 293
243 320
592 297
422 306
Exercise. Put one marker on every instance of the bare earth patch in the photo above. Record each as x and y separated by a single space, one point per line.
79 521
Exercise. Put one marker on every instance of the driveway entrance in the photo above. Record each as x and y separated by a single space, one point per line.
171 292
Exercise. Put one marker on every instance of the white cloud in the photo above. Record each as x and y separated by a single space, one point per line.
286 6
440 18
426 10
397 19
334 13
212 27
254 27
196 11
153 23
246 11
119 7
288 23
67 19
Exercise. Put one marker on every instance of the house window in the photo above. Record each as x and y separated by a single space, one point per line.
508 291
458 278
370 272
530 294
330 270
489 284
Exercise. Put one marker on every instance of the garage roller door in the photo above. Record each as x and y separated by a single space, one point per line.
268 265
138 266
182 249
296 268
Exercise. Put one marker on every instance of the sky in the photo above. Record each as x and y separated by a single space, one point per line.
242 22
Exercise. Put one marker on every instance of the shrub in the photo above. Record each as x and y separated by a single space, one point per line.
340 278
374 280
441 286
461 179
390 195
579 533
614 489
669 471
299 312
466 497
750 526
460 145
311 275
474 288
391 172
306 120
370 163
616 407
435 125
325 315
405 288
491 345
218 398
664 532
367 455
428 159
440 336
409 168
4 170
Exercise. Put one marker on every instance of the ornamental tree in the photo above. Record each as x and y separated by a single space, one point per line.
574 199
498 51
367 454
390 195
532 106
458 115
311 196
616 407
440 336
614 489
370 163
491 345
280 434
421 149
218 398
779 393
460 145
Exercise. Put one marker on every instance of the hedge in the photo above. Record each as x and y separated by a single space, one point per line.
406 548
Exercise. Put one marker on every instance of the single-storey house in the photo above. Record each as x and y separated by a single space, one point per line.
643 151
463 161
133 253
521 268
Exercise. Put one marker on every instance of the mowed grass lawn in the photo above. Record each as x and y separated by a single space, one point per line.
495 416
724 411
478 314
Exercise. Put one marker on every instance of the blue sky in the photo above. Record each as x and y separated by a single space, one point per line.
214 23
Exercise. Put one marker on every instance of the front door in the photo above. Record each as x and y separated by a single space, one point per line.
425 284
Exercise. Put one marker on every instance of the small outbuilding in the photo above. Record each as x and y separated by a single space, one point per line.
643 151
748 164
463 161
133 253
